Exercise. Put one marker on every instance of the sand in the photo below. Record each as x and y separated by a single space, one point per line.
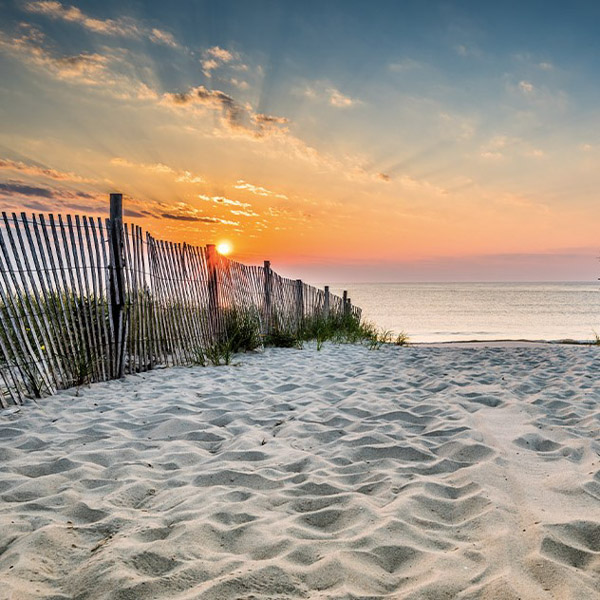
417 473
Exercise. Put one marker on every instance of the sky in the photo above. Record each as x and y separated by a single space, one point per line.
342 140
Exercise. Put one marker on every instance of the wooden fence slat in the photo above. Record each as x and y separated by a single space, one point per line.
79 293
49 350
21 323
50 298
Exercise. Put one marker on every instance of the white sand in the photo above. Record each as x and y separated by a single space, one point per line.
421 473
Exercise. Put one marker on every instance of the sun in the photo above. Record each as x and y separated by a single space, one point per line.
224 248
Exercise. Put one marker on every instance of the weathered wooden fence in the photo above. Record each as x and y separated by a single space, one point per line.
85 299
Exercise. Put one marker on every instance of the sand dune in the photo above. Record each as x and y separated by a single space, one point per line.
417 473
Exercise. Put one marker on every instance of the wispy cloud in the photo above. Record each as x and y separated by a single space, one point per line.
182 211
324 92
257 190
123 27
526 87
88 68
336 98
213 58
244 213
22 189
500 147
43 198
222 200
36 170
234 115
158 168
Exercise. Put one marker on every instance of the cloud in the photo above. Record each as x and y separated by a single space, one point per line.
220 54
526 87
23 189
262 120
323 92
163 37
180 217
236 117
188 177
336 98
244 213
159 168
37 197
182 211
155 167
502 146
13 165
257 190
214 99
115 27
215 57
88 68
223 200
383 176
239 83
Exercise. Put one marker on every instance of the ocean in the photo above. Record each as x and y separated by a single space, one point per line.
445 312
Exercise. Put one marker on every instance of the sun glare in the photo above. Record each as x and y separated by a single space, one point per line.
224 248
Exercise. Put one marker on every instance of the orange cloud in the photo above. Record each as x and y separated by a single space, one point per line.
35 170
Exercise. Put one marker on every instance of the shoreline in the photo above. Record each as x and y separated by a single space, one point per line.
504 343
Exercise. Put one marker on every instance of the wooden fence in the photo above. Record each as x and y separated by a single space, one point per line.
85 299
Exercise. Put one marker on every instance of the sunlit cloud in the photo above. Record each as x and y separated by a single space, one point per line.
244 213
120 27
324 92
182 211
88 68
336 98
35 170
257 190
217 57
223 201
158 168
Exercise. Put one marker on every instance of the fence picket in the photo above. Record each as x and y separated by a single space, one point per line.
82 297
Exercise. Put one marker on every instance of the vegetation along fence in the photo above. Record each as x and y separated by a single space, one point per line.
83 300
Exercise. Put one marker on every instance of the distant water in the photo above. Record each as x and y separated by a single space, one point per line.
442 312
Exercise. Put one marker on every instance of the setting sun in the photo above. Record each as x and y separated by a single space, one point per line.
224 248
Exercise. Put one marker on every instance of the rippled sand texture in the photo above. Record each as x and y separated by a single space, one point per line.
418 473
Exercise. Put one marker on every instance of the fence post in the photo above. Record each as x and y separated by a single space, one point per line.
345 302
116 282
213 287
268 295
326 303
300 302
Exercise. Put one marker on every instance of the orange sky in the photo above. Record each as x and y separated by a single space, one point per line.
391 158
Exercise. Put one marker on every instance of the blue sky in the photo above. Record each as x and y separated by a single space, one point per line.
456 139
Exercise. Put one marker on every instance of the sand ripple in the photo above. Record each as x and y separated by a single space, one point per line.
417 473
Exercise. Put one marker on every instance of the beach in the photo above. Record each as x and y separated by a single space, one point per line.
465 471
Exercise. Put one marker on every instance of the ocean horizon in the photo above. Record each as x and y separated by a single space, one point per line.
463 311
